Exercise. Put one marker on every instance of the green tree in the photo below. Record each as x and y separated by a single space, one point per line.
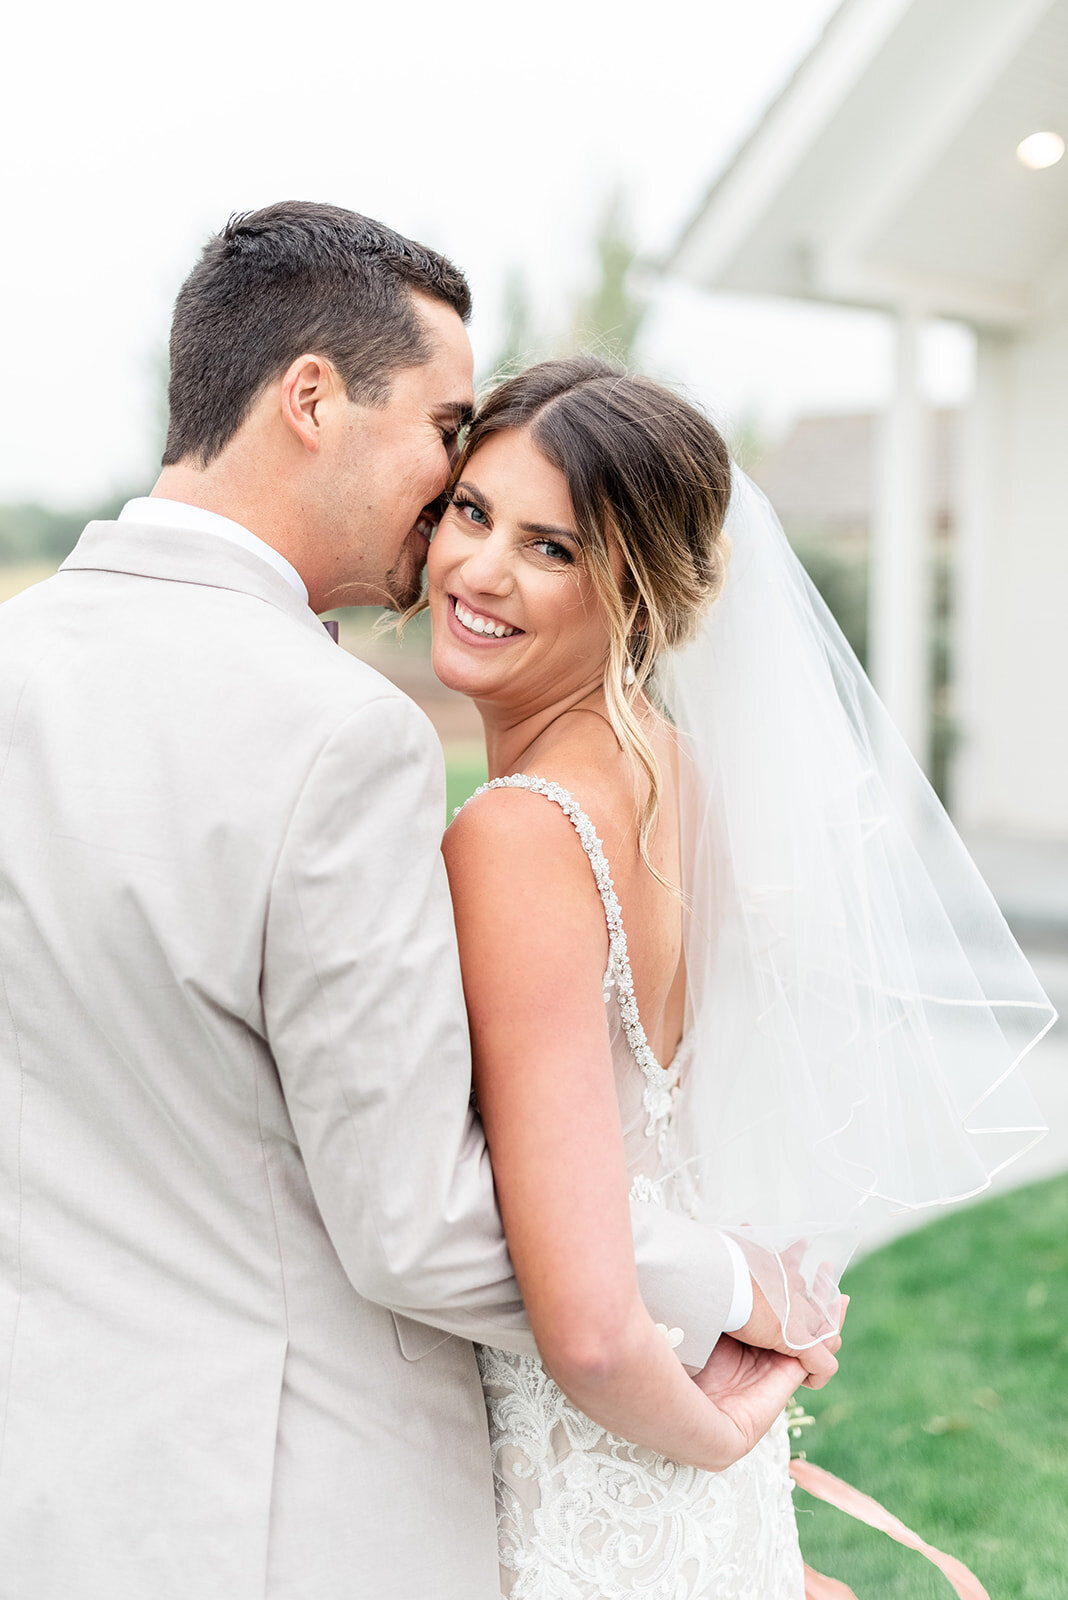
607 317
520 342
611 316
31 532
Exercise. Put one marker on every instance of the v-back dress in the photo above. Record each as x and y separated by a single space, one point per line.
581 1513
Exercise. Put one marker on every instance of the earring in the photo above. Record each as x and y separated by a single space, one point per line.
628 675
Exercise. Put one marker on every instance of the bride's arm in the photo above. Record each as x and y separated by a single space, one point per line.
533 947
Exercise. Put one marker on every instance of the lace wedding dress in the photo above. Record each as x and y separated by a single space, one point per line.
582 1514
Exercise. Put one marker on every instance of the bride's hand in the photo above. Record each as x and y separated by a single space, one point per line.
749 1388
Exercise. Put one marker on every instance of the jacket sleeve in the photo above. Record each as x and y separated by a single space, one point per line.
365 1017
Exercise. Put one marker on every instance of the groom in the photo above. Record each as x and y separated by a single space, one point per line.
243 1200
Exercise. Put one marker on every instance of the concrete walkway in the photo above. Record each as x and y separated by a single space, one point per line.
1030 881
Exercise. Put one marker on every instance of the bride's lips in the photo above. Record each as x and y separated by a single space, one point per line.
469 636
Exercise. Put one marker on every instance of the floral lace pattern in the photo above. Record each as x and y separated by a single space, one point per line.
581 1513
584 1515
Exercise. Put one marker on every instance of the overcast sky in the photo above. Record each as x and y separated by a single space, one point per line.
491 130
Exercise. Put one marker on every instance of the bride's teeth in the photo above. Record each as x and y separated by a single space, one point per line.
473 624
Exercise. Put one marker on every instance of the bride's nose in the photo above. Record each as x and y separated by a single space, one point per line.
488 570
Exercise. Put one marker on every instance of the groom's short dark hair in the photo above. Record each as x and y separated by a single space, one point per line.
295 277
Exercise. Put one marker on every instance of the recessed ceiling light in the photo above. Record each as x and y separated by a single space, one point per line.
1040 150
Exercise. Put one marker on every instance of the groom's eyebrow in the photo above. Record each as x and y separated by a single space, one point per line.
458 412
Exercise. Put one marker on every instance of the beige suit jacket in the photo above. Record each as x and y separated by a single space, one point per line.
243 1200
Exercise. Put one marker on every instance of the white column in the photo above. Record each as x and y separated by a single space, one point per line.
899 605
981 493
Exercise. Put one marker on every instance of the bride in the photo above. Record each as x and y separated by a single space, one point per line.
584 541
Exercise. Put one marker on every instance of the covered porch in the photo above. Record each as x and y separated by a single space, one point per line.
894 173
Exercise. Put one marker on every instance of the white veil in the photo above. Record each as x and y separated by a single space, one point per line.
857 1003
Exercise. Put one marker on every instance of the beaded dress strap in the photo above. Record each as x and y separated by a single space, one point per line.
659 1082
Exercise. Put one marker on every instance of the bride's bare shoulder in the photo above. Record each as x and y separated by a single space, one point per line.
511 830
584 758
517 868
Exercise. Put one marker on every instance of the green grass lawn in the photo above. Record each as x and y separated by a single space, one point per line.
951 1405
465 769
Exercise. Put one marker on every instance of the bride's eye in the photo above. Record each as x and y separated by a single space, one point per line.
463 506
556 552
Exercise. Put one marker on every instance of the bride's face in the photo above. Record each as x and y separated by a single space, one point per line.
516 617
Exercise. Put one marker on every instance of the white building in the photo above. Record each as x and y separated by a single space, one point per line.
889 174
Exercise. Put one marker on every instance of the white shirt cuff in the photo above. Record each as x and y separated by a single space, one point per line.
741 1308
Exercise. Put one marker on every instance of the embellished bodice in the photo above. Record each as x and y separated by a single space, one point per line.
645 1090
582 1514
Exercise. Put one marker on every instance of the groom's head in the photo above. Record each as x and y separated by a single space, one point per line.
323 356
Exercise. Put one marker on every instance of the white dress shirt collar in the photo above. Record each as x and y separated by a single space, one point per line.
160 513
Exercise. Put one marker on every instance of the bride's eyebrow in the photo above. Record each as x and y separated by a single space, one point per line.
473 494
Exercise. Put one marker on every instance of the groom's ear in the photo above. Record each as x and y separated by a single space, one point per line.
308 385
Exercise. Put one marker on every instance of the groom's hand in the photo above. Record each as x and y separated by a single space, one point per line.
749 1388
764 1331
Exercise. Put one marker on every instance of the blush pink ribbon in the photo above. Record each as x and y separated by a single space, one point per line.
825 1486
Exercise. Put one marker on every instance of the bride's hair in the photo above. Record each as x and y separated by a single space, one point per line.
650 478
